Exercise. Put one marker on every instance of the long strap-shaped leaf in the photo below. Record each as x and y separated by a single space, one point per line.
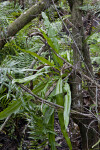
60 101
53 46
12 108
42 59
67 104
52 135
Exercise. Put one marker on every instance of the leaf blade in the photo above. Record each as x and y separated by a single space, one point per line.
67 105
10 109
59 99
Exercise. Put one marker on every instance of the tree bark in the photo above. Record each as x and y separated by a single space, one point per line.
81 54
24 19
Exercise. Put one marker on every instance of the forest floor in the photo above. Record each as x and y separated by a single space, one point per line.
7 142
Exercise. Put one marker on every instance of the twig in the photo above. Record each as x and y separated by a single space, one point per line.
3 125
50 90
36 33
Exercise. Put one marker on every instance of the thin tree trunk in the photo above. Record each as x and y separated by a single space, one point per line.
80 54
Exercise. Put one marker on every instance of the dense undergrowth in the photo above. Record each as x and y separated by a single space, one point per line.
31 122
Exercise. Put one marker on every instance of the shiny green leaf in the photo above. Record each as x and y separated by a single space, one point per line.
67 104
39 87
59 87
63 130
12 108
29 78
59 100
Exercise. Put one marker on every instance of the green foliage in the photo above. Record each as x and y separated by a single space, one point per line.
40 117
39 57
12 108
94 42
39 128
63 118
67 104
51 134
7 12
52 29
27 78
56 39
91 5
21 50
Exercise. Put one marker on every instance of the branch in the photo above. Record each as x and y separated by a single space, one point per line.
81 73
5 122
24 19
73 112
38 98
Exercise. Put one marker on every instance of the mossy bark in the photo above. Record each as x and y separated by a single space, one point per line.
24 19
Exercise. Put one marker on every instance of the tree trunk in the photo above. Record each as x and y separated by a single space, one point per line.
24 19
81 54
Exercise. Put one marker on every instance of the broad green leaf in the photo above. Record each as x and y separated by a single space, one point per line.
29 78
12 108
49 41
52 28
59 93
39 87
59 87
56 27
42 59
48 113
67 104
46 20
